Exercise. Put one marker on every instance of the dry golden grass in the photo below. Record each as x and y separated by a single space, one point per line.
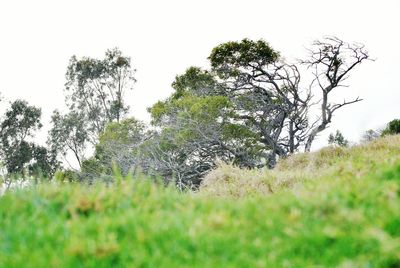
331 161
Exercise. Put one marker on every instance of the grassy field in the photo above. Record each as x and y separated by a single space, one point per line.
332 208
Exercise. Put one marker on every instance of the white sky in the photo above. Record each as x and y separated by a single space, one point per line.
163 38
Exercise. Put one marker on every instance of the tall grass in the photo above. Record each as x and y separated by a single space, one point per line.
330 162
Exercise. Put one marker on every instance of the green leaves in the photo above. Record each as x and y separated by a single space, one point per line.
118 145
197 127
96 88
20 123
194 81
338 139
127 131
69 133
202 120
393 127
234 55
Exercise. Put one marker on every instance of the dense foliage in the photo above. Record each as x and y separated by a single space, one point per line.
393 127
250 108
17 151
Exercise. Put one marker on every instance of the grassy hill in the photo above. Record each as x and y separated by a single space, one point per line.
332 208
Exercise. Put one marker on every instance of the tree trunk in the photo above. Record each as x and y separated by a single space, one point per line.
312 136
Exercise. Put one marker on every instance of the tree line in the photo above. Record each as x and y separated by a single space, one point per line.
250 108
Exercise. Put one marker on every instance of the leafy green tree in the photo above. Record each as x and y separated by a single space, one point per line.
393 127
44 162
264 92
69 133
17 158
338 139
118 145
195 131
96 89
19 124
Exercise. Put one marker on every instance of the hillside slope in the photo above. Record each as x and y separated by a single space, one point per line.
333 208
330 163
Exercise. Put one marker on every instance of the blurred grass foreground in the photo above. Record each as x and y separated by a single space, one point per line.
332 208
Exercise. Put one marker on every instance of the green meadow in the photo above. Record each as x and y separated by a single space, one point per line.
335 207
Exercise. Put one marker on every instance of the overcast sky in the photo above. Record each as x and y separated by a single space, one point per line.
163 38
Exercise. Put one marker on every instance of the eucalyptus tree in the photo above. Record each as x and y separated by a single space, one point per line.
195 131
118 145
265 93
95 96
69 133
19 153
97 87
263 96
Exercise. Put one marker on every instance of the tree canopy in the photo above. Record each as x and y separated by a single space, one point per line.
249 108
95 96
17 149
97 87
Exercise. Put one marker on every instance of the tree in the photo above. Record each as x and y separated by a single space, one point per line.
279 110
44 162
265 93
371 135
96 89
195 131
118 145
20 123
338 139
69 133
392 128
332 60
259 97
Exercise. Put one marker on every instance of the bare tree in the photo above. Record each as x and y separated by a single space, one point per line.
332 60
371 134
268 99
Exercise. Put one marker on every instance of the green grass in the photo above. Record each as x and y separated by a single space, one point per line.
333 208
